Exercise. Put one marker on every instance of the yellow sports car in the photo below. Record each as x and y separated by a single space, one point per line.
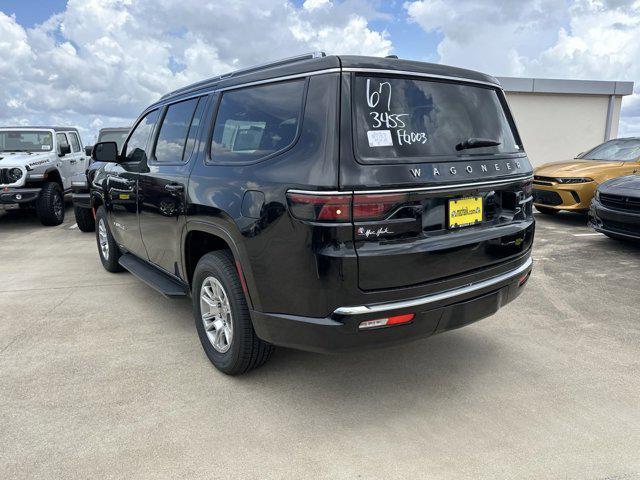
570 185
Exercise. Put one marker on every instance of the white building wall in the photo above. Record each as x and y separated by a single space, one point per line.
560 126
616 117
558 119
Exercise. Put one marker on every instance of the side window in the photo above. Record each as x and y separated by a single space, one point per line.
61 139
255 122
193 129
75 143
174 130
136 148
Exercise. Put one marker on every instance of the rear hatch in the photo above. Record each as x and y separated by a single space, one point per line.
442 185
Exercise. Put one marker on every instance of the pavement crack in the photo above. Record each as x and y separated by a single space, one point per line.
23 333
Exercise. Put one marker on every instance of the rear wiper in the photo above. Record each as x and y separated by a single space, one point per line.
477 143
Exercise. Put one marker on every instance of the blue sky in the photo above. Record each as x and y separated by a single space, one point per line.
99 62
30 13
410 41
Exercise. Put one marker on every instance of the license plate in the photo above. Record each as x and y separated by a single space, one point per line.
465 211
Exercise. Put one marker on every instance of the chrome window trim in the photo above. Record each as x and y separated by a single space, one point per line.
448 294
419 74
435 188
279 79
176 99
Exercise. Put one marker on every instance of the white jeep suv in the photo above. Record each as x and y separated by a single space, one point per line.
36 167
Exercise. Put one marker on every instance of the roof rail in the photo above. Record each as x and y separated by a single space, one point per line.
244 71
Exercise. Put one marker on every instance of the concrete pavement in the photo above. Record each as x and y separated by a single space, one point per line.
101 377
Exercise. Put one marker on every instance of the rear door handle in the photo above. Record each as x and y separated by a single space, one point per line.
174 187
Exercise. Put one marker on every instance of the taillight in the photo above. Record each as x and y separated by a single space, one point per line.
375 207
344 208
327 208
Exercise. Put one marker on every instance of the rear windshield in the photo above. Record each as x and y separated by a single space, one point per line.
621 150
401 119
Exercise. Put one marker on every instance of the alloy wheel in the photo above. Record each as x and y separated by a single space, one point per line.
216 315
103 239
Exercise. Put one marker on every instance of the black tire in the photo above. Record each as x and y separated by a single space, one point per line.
84 219
547 210
245 350
50 205
109 256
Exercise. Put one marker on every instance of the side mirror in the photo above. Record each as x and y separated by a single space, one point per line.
105 152
87 150
64 150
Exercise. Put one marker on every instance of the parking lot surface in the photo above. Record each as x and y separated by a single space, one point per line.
101 377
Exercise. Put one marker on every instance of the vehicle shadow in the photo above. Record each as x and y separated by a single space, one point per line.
563 219
382 379
27 218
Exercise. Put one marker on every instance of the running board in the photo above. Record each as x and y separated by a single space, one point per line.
152 276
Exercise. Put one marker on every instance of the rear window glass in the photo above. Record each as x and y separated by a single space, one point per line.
256 122
402 118
75 143
173 132
62 141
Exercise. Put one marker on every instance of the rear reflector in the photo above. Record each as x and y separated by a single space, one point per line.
386 322
523 279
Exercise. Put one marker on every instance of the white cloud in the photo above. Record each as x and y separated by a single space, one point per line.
315 4
586 39
100 62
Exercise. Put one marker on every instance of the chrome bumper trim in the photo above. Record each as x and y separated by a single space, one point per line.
436 297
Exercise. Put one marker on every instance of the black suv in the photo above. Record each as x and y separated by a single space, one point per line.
80 182
323 203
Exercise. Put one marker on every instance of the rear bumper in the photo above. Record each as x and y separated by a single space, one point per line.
616 222
434 313
10 196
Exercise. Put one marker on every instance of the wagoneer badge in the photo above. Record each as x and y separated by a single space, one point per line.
482 168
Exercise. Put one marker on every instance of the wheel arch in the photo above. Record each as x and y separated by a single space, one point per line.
200 238
53 175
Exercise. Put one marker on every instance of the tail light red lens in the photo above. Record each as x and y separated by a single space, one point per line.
375 207
327 208
523 279
343 208
386 322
